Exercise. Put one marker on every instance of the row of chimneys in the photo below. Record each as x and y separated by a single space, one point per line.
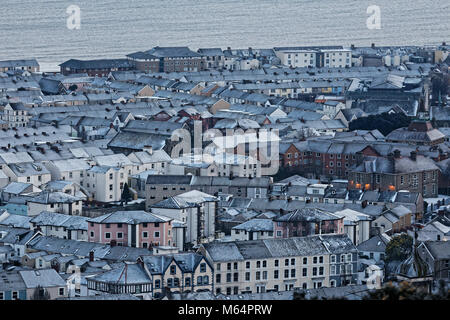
397 155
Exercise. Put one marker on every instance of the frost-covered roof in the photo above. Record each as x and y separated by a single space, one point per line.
260 249
129 217
46 218
256 225
45 278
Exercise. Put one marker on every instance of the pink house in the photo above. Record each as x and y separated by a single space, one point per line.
131 228
307 221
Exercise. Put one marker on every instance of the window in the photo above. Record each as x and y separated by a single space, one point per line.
286 273
119 235
15 294
264 264
202 267
275 274
292 273
199 280
247 265
258 275
314 271
145 234
321 259
314 260
247 276
276 263
229 266
228 277
218 267
157 284
305 272
107 235
321 271
258 264
286 262
305 260
156 234
293 262
187 281
333 270
173 269
61 291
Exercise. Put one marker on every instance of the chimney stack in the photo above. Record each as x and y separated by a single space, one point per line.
91 256
359 157
397 154
390 156
414 155
373 45
149 149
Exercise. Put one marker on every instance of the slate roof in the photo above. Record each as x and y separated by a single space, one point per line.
307 215
16 221
256 225
47 197
129 217
133 273
169 179
83 248
16 187
45 278
185 200
158 264
46 218
97 64
18 63
291 247
11 281
172 52
440 250
375 244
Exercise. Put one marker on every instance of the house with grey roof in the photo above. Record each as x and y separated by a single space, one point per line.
182 273
54 202
260 266
197 209
308 221
374 248
46 280
253 229
436 255
396 219
12 286
138 229
61 225
414 173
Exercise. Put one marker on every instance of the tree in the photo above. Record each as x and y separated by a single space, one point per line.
405 291
385 122
40 294
399 248
126 194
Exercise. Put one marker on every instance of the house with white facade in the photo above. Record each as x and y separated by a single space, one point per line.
196 209
104 183
61 225
54 202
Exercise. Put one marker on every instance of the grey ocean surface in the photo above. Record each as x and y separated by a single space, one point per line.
37 28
